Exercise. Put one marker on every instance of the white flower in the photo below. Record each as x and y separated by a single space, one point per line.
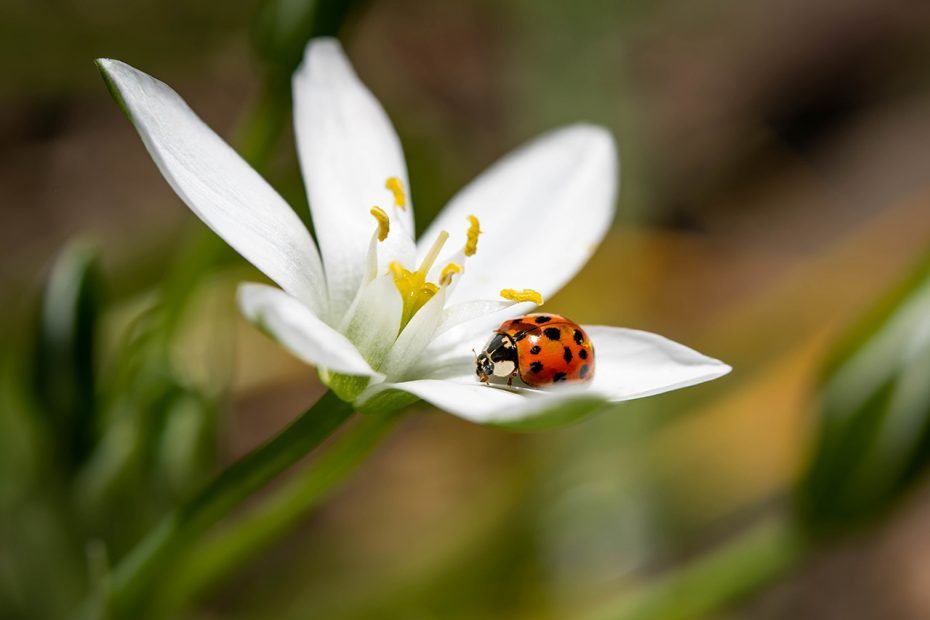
386 319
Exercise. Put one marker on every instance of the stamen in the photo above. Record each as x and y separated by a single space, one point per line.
474 229
526 294
397 188
447 272
384 222
433 253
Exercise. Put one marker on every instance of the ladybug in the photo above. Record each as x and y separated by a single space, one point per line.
542 349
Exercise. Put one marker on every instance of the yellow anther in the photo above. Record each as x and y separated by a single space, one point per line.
397 188
384 222
474 229
526 294
447 272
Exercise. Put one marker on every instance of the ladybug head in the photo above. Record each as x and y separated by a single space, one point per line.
484 367
498 359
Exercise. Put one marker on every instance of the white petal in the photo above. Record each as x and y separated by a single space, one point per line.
454 345
501 406
300 331
414 338
543 211
467 311
374 318
218 185
632 364
348 149
456 330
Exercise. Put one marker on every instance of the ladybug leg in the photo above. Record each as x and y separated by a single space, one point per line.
510 378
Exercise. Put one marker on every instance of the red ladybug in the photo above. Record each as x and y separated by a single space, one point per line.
542 349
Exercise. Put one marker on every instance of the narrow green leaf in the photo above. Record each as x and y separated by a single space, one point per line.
63 374
873 434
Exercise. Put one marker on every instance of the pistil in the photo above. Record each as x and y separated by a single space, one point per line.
415 291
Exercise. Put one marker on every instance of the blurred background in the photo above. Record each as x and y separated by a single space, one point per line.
775 191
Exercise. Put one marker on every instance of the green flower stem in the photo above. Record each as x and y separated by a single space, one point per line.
715 582
214 558
133 578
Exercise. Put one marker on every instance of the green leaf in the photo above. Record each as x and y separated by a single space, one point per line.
873 433
63 372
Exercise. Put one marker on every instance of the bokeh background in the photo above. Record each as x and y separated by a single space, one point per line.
775 186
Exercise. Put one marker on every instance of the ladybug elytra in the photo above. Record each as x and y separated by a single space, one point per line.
541 349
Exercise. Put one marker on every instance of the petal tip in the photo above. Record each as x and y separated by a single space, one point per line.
111 68
113 73
722 369
590 134
593 143
323 50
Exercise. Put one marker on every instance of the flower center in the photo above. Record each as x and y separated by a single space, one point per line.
415 291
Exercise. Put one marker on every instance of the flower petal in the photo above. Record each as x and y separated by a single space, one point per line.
371 323
543 211
467 311
300 331
633 364
414 338
501 406
348 150
218 185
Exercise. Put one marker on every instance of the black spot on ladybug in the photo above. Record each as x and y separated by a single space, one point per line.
519 336
559 376
567 356
536 367
584 371
583 354
543 319
536 349
579 337
552 333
